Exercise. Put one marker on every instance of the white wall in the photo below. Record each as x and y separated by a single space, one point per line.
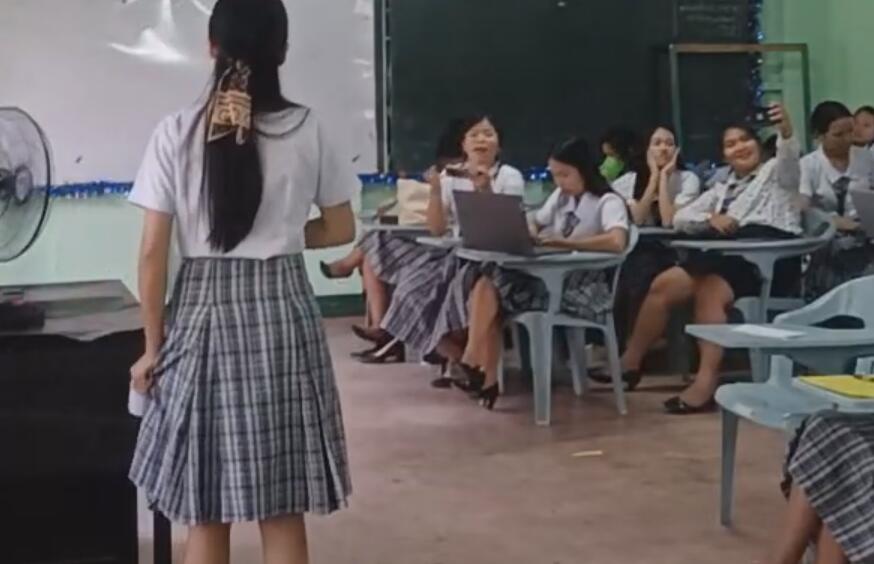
98 74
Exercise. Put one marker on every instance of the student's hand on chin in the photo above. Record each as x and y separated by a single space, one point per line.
671 167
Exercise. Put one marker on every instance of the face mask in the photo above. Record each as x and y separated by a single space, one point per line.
611 168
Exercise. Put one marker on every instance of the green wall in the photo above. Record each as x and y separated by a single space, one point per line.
840 34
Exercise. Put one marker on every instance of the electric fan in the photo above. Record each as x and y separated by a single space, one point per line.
25 181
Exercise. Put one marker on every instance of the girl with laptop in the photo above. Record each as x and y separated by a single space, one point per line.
583 214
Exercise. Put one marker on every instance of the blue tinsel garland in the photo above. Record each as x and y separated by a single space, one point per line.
81 190
756 89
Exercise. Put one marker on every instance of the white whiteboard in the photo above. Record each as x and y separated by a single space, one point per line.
99 74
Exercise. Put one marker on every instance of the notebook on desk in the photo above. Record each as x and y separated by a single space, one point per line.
856 387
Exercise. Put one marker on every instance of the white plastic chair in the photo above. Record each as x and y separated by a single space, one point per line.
776 403
540 326
819 230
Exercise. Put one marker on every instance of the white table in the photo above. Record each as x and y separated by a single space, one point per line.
825 350
763 253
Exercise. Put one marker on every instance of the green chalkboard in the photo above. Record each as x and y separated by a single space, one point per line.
546 69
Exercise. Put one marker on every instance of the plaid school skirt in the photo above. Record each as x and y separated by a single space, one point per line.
832 461
418 298
391 256
586 295
245 421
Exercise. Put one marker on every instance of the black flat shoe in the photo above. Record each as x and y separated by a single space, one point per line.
488 396
366 352
373 335
326 271
676 406
442 383
631 378
393 355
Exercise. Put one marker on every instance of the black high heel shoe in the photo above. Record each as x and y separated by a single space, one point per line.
391 355
473 380
488 396
372 334
631 378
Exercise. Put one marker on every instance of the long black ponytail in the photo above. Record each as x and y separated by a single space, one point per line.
250 35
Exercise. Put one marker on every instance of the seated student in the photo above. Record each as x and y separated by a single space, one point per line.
829 472
387 258
757 199
658 187
584 214
654 191
829 175
863 135
448 153
620 147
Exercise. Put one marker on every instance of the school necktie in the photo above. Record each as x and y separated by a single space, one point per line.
841 188
734 190
570 223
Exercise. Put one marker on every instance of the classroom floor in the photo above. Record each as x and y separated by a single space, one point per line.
439 480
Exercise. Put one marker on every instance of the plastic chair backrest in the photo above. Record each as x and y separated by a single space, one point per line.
818 224
854 298
633 238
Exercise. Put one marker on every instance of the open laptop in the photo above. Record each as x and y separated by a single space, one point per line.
496 222
864 202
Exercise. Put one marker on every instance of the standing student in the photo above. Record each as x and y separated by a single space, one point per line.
828 477
829 176
863 135
244 422
757 199
582 214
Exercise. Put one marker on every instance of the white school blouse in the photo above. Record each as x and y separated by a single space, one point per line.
683 187
592 215
819 177
769 196
300 167
505 180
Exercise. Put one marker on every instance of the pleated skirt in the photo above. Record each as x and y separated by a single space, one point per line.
832 461
245 421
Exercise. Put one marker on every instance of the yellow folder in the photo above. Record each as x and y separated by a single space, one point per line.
859 387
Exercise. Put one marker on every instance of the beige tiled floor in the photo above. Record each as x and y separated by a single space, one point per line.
439 480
